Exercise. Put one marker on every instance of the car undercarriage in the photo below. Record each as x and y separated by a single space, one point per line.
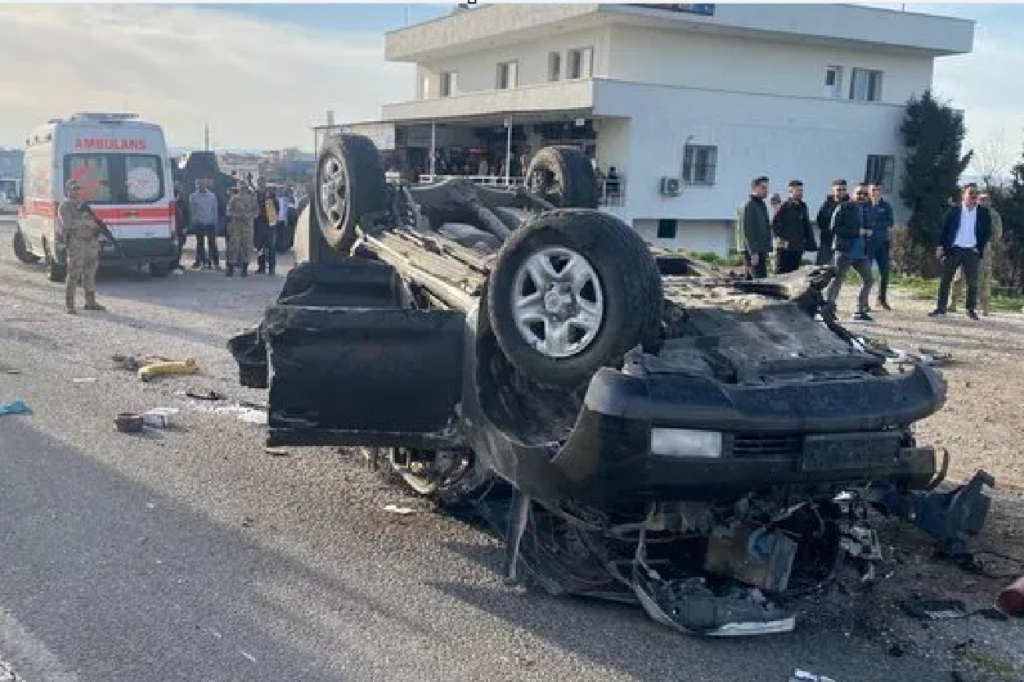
641 426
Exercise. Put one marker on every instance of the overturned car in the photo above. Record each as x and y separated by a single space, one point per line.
671 434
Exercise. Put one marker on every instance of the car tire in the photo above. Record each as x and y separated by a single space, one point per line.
350 184
55 270
614 304
564 177
21 251
160 269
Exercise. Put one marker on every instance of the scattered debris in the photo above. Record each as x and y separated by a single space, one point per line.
14 407
276 452
210 395
1011 599
12 371
84 380
166 368
395 509
804 676
131 363
935 609
128 422
159 418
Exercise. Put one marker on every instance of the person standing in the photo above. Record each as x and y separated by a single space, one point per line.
966 232
262 227
826 240
82 230
792 228
851 246
181 223
755 229
985 293
267 259
242 211
202 206
882 221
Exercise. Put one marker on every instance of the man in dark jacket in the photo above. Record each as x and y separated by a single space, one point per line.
826 240
263 237
755 229
966 232
792 228
881 246
851 247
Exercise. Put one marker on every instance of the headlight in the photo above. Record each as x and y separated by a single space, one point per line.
686 443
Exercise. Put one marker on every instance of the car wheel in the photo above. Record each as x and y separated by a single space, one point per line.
572 291
159 269
21 249
55 270
564 177
350 184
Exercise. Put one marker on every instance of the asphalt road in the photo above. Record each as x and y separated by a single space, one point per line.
192 554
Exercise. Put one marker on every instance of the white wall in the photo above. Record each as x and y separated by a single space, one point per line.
613 143
648 55
477 72
784 138
696 236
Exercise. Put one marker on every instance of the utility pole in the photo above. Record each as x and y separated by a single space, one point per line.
206 136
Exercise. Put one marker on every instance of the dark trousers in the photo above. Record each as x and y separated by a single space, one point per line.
863 268
967 259
881 254
759 271
265 241
182 236
206 237
787 261
826 253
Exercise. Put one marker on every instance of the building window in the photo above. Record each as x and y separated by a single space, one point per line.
581 63
881 169
508 75
834 82
699 164
866 85
449 83
667 229
554 66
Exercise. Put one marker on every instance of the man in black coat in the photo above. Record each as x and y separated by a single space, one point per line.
966 232
792 229
826 239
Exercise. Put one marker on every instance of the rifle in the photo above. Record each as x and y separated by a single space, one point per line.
104 228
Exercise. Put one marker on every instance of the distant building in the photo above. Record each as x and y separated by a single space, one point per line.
687 102
11 162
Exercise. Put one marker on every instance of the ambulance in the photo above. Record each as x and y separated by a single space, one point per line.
122 166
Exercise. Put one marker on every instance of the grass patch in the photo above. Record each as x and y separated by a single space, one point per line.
928 289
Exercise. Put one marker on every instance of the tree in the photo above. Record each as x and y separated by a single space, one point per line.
933 135
1009 201
991 160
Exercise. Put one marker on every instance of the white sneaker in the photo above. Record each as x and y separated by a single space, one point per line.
179 271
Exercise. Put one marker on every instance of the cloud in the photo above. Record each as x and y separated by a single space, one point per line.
255 82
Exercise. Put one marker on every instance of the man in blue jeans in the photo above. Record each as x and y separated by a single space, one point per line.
852 244
881 245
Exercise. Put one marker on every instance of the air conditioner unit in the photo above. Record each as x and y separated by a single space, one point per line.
670 187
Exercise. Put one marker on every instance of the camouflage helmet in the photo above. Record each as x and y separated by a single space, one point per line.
71 185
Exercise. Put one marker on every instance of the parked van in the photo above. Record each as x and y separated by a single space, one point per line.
122 166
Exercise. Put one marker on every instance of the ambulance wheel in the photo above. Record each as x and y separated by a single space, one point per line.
55 270
21 249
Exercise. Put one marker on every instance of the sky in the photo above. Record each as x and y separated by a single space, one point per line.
262 75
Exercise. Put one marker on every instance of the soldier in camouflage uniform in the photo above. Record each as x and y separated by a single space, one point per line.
82 230
241 211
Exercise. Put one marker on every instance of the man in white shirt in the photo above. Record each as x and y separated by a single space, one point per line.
966 233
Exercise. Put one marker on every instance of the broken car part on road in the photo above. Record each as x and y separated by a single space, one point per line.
670 435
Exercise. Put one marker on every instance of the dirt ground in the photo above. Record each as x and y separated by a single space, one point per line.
980 426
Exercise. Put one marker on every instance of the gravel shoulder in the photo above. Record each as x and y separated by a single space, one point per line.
193 554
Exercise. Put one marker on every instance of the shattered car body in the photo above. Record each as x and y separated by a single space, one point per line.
671 435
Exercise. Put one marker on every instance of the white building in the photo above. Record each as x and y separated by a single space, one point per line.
700 97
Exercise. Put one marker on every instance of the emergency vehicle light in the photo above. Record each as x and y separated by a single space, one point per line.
99 116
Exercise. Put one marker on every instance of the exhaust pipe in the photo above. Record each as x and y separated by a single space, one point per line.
1011 600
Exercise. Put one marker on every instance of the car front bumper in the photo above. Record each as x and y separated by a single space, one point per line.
800 434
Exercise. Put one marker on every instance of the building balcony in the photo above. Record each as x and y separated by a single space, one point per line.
563 96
